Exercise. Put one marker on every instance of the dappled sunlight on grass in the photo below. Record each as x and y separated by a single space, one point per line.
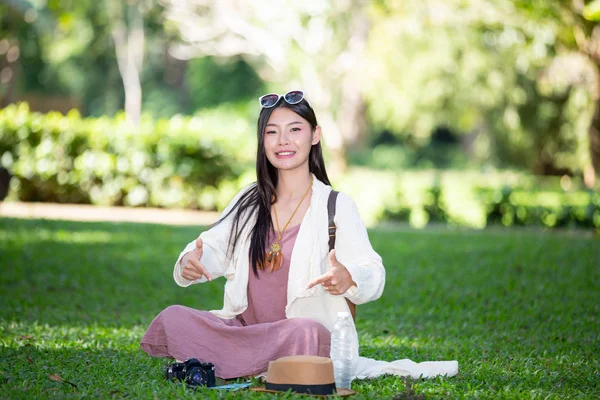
45 235
34 231
516 308
15 334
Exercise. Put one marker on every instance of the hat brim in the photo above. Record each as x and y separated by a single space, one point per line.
339 392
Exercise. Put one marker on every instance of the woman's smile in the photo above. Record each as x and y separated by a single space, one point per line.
285 154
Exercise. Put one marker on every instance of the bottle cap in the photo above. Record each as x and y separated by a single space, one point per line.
343 314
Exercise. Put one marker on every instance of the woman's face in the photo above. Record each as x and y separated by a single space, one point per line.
288 139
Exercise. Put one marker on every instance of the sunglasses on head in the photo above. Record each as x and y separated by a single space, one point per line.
291 97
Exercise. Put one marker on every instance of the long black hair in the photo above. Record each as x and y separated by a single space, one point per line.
261 195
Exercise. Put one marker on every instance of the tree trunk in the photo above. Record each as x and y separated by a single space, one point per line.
128 35
352 118
352 113
591 171
591 47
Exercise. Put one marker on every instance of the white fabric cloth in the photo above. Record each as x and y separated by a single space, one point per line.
370 368
309 261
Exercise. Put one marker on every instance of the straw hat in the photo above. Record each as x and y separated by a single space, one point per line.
303 374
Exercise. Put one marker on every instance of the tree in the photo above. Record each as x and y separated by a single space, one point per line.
481 68
576 25
314 45
127 31
102 52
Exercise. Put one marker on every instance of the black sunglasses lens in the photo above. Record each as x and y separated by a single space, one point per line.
294 97
269 100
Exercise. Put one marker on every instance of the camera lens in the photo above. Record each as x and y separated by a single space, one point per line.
197 376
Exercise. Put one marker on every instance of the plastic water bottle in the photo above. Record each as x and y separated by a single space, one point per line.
344 350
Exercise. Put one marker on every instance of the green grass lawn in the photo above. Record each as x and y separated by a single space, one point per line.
519 310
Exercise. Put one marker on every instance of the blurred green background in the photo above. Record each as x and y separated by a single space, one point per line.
467 113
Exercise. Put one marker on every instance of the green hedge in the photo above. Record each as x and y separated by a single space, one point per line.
506 206
200 162
184 162
551 209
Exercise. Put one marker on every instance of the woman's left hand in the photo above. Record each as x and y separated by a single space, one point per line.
337 280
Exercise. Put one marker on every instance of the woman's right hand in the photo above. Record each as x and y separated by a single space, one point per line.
192 267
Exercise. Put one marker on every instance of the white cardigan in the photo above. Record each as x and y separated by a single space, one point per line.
309 261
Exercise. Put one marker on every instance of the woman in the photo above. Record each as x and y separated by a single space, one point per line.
284 287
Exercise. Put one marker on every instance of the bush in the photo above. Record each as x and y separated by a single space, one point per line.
510 206
483 206
180 162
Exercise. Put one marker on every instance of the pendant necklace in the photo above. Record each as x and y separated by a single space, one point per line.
274 257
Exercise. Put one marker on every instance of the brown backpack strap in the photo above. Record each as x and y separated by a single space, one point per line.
331 202
331 215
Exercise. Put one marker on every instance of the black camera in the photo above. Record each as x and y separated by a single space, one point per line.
192 372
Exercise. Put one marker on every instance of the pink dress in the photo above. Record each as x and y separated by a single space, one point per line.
245 345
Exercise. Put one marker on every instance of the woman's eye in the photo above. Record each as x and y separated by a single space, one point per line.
270 132
295 129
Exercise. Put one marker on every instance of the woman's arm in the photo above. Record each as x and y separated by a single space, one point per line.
215 243
354 251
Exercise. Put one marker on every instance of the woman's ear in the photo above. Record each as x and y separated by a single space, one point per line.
316 135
